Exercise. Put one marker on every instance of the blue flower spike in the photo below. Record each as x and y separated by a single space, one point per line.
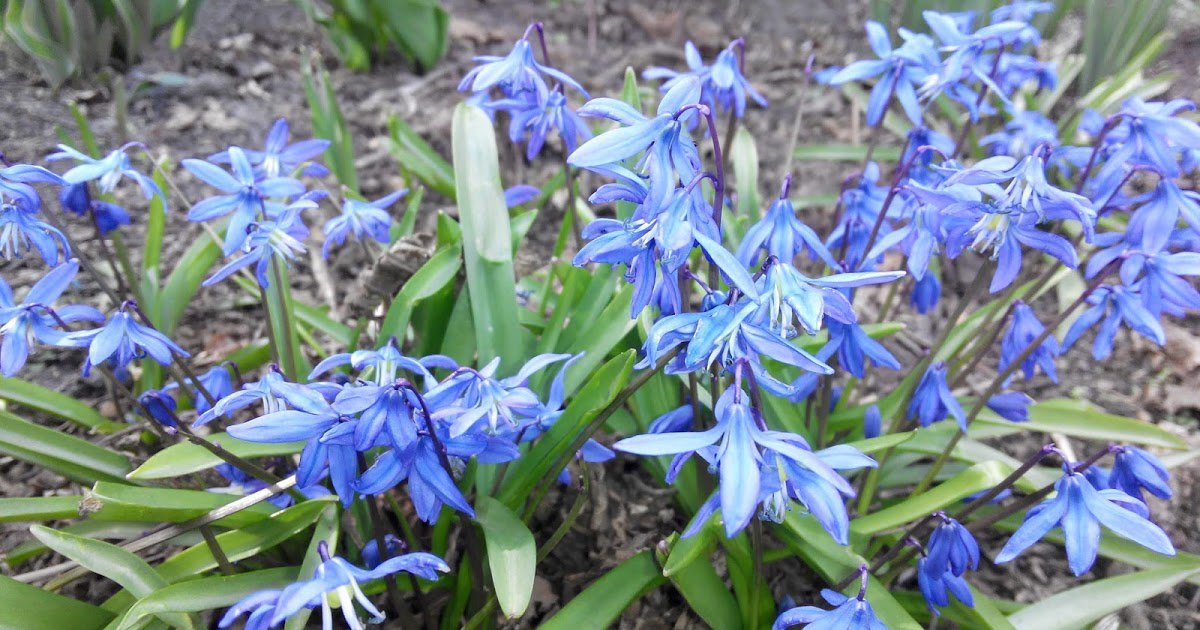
849 613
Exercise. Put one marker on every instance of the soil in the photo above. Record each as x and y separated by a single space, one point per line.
243 62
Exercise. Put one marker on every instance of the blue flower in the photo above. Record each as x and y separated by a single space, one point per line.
106 171
1134 469
1112 306
899 70
789 295
269 390
468 396
122 340
280 239
926 293
861 205
76 198
932 401
32 320
849 613
672 155
723 335
854 347
1151 134
246 196
537 114
1081 509
812 482
160 406
385 363
1153 223
370 551
217 381
514 73
278 157
21 231
1026 188
547 413
951 549
872 422
361 219
1023 133
1012 406
723 85
936 587
334 579
1025 328
781 234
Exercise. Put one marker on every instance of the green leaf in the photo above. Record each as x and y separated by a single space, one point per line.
512 554
1079 418
530 469
417 27
882 442
46 610
845 153
326 531
121 566
974 479
418 159
186 458
156 219
15 390
101 530
685 551
206 594
67 455
629 89
743 155
438 272
183 283
1080 606
119 502
38 509
706 592
486 239
599 605
599 337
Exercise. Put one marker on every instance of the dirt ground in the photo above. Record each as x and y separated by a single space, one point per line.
243 62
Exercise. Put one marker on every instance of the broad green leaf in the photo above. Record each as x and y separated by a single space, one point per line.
486 239
600 390
330 124
206 594
417 27
67 455
156 219
882 442
186 458
326 531
629 89
438 272
100 530
602 601
600 337
46 610
1080 606
974 479
183 283
687 550
701 586
512 554
845 153
1078 418
418 159
38 509
743 156
121 566
59 405
119 502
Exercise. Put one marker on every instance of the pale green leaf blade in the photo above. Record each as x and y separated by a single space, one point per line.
512 554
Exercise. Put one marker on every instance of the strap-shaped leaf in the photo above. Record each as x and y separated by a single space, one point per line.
67 455
47 611
15 510
974 479
602 601
205 594
327 530
419 159
59 405
121 502
186 458
512 555
1077 607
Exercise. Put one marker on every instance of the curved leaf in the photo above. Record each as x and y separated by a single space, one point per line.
49 611
186 458
512 555
59 405
1080 606
206 594
602 601
974 479
67 455
38 508
119 502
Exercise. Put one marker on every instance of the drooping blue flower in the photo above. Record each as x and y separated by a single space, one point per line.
900 71
31 320
812 482
370 551
671 155
872 422
849 613
855 348
1151 134
107 171
936 587
1135 469
270 390
723 85
722 336
469 396
972 57
280 239
122 340
1012 406
334 580
1024 132
1111 307
1025 328
932 400
926 293
520 195
278 157
790 296
1153 223
535 115
217 381
781 234
861 204
246 199
951 549
21 231
362 219
384 364
1081 509
1025 188
921 240
515 73
160 406
76 198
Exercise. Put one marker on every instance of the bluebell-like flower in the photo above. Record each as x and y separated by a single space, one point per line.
1023 330
1021 10
921 240
781 234
76 198
1024 132
1081 509
932 400
1151 134
861 206
122 340
15 180
926 293
21 231
1026 188
951 549
1111 307
849 613
855 348
469 396
107 171
900 71
671 154
160 406
872 422
362 219
723 335
1012 406
281 239
334 579
269 390
723 84
811 482
520 195
535 115
790 296
22 324
1134 470
278 157
246 196
1153 223
385 364
936 587
515 73
972 56
217 381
